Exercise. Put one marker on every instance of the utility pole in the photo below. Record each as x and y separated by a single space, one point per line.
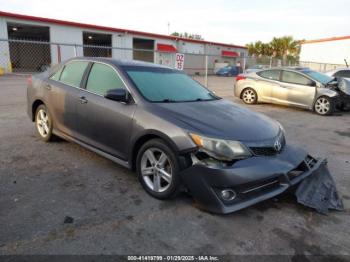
168 28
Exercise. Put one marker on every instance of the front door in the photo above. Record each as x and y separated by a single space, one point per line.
294 89
103 123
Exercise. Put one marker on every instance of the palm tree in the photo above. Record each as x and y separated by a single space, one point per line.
285 48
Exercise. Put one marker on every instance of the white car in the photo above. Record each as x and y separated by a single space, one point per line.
339 72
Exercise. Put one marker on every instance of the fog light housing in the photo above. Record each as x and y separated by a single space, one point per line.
228 194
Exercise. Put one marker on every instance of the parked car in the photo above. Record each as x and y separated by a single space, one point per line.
300 87
228 71
255 68
339 72
174 132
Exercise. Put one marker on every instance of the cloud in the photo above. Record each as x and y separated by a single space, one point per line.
222 20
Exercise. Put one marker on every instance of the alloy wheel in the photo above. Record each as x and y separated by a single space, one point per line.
156 170
43 123
322 106
249 96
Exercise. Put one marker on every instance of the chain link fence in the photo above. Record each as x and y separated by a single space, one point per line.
27 56
321 67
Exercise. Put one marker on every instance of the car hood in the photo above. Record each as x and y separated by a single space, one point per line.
220 119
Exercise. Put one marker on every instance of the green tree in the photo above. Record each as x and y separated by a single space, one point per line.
187 35
285 48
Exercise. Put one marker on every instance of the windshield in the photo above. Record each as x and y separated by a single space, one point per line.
167 85
322 78
224 69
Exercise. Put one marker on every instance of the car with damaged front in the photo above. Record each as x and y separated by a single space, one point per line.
176 134
294 86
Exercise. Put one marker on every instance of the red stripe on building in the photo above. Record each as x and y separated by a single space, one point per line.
229 53
166 48
325 40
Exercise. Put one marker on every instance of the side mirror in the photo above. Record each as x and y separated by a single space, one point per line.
119 95
312 83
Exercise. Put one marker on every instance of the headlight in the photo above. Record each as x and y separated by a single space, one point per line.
281 127
226 150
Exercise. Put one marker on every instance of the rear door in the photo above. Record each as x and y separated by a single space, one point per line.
63 89
294 89
267 81
103 123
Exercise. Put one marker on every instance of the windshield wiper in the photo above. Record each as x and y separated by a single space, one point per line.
167 100
333 79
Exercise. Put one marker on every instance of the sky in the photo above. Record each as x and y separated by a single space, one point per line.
234 22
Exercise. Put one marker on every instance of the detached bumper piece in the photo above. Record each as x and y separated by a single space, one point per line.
249 181
319 191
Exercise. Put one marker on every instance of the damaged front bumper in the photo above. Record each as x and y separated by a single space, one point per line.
252 180
343 100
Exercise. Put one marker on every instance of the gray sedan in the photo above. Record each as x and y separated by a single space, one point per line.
300 87
175 133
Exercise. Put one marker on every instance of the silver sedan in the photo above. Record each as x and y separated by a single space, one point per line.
300 87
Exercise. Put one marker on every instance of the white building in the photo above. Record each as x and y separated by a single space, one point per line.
331 52
63 39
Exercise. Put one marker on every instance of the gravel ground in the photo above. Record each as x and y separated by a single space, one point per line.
44 184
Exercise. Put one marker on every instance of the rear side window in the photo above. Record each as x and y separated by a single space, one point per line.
270 74
103 78
294 78
73 73
342 73
56 76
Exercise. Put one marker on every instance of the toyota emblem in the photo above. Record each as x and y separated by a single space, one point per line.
277 145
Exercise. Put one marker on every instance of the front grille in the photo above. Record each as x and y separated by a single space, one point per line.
304 166
269 150
264 151
310 161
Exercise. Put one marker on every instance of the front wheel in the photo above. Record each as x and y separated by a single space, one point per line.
249 96
324 105
157 168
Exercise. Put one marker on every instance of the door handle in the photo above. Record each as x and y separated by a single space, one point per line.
48 87
83 100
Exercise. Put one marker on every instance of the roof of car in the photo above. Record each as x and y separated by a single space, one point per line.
295 68
341 68
298 68
119 62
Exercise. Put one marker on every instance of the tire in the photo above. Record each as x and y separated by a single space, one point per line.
324 106
249 96
43 123
158 169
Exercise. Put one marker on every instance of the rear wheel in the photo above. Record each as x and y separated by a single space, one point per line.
43 123
324 105
249 96
157 169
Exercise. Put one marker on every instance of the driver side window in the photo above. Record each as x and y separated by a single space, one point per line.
103 78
